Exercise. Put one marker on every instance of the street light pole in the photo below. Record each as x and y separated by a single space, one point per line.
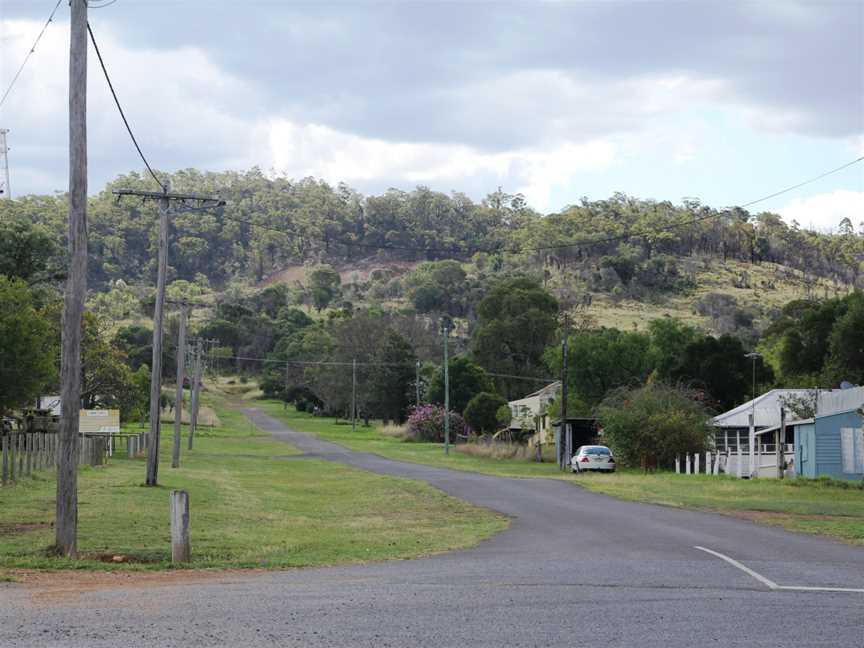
446 329
752 436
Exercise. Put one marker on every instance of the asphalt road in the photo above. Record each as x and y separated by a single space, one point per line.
574 569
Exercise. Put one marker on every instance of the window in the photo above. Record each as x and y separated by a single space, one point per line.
852 450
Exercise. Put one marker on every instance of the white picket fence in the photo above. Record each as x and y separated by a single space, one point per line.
734 463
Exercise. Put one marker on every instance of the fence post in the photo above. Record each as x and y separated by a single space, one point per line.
181 550
22 445
687 464
28 450
695 463
677 465
739 468
5 471
717 463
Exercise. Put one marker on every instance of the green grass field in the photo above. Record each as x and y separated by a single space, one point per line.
813 506
252 505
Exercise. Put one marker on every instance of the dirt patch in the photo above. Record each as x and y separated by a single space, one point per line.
67 587
9 529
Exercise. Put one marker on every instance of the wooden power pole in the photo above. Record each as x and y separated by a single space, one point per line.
66 524
169 204
563 438
196 393
181 375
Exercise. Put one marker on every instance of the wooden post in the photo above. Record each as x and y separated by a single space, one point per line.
4 440
22 450
717 463
779 436
695 463
66 524
677 465
181 550
563 459
687 464
196 394
707 463
156 364
178 393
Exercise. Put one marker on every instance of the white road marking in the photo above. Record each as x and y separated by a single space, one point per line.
767 582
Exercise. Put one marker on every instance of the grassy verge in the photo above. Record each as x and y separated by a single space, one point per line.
823 507
813 506
252 505
370 439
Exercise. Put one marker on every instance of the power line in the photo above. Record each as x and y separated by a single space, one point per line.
337 363
30 53
120 108
578 243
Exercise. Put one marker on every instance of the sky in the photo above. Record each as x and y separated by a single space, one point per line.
721 101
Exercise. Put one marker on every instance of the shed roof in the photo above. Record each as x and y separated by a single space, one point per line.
840 400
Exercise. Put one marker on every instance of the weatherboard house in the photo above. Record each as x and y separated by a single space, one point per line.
732 428
832 443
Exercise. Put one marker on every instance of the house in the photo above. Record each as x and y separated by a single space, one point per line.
529 413
832 444
732 428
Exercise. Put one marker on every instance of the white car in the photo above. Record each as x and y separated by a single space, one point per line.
594 457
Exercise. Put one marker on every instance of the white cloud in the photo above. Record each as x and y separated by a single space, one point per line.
824 212
314 150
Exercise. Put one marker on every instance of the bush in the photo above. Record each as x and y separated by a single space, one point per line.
655 421
426 423
481 413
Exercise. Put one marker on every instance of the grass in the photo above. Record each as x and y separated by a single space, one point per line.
824 507
371 439
249 508
820 506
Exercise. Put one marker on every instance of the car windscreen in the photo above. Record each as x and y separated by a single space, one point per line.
597 451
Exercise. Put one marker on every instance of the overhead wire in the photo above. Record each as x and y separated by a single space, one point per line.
120 108
30 53
349 363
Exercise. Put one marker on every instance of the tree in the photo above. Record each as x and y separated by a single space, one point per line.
325 285
517 320
27 347
669 338
846 345
601 360
136 342
721 368
28 251
393 379
655 421
481 413
467 379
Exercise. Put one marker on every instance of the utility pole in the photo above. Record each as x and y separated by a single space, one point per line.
156 364
5 191
182 203
446 329
417 384
66 522
354 395
563 439
178 394
196 393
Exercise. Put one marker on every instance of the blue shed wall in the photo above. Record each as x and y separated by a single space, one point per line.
805 450
828 453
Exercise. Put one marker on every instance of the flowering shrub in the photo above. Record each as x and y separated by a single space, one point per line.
426 423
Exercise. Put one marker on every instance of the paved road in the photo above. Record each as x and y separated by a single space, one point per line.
574 569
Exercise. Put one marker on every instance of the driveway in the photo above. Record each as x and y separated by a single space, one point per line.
574 569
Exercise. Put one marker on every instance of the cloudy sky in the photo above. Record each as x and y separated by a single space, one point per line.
721 101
